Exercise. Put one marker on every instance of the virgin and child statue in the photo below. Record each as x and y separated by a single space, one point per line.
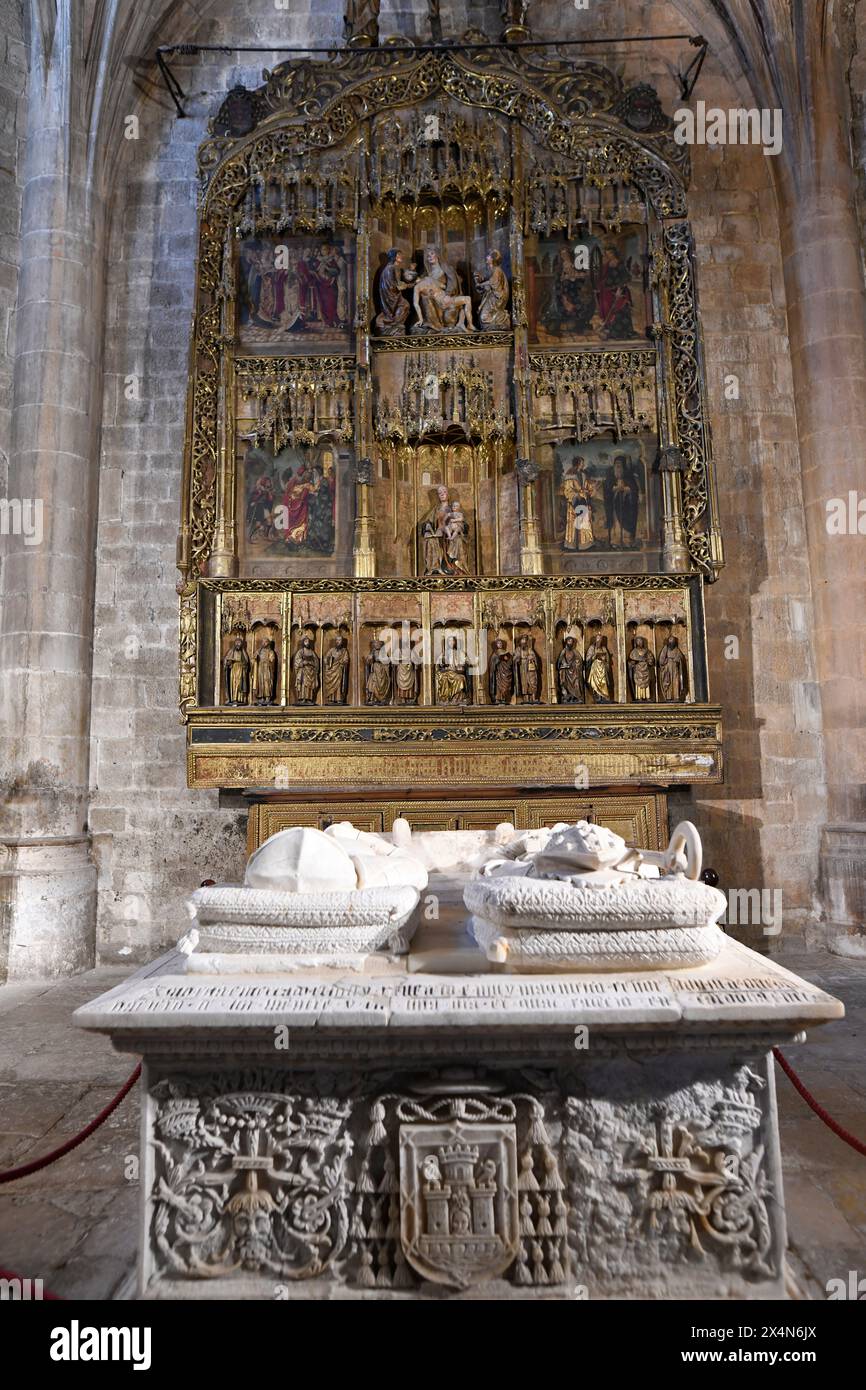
443 537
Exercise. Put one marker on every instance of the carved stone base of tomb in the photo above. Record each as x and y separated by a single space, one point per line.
438 1129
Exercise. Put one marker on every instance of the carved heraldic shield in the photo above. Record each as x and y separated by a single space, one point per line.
458 1200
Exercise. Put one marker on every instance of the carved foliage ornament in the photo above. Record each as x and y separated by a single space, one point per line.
674 1180
459 1186
250 1182
544 91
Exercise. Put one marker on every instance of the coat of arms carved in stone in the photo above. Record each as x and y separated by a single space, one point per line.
458 1200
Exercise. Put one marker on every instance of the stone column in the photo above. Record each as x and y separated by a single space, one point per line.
47 878
827 327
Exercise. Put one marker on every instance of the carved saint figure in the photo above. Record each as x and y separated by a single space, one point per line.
405 682
452 677
377 675
641 669
439 305
237 673
493 309
527 671
598 668
500 674
393 306
673 672
336 676
306 672
265 675
569 670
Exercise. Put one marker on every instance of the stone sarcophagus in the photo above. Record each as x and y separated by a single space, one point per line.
430 1120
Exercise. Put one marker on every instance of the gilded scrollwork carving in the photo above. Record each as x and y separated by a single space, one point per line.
188 645
688 392
445 584
479 733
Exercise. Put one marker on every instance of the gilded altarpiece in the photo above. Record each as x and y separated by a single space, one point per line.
449 505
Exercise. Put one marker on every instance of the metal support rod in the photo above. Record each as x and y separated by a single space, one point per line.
687 79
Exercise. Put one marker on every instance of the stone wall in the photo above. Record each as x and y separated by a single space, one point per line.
13 114
154 840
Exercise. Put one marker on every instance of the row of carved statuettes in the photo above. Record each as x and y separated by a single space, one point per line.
511 676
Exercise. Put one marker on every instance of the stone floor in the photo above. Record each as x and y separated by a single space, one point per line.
74 1224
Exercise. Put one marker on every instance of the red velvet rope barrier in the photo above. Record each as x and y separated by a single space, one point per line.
843 1134
34 1166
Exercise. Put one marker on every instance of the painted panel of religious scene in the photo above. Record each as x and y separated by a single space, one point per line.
605 496
294 509
296 293
590 289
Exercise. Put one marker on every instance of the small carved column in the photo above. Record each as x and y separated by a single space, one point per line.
514 14
531 559
361 24
675 555
363 548
223 560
